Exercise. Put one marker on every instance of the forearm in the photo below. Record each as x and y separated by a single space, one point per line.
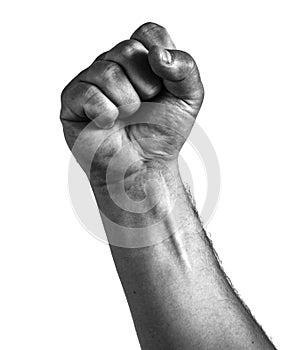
178 295
125 119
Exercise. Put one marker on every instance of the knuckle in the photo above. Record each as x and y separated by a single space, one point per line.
151 27
90 92
110 71
100 57
73 96
90 109
152 31
128 48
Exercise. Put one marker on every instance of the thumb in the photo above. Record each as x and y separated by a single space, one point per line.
179 72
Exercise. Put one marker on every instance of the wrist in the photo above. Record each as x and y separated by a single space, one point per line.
146 207
153 185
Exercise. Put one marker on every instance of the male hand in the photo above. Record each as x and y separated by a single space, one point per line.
125 119
111 93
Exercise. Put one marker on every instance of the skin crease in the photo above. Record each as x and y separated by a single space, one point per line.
178 294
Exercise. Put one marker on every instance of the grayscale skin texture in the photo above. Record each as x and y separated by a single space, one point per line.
178 295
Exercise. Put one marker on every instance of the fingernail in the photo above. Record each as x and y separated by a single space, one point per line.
166 56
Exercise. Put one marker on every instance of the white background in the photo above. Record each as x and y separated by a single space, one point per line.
59 288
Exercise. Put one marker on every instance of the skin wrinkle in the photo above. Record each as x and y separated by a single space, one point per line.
178 294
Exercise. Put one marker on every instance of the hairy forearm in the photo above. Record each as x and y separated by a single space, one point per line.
125 119
178 294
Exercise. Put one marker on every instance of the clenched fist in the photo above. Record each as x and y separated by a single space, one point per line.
135 104
125 119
